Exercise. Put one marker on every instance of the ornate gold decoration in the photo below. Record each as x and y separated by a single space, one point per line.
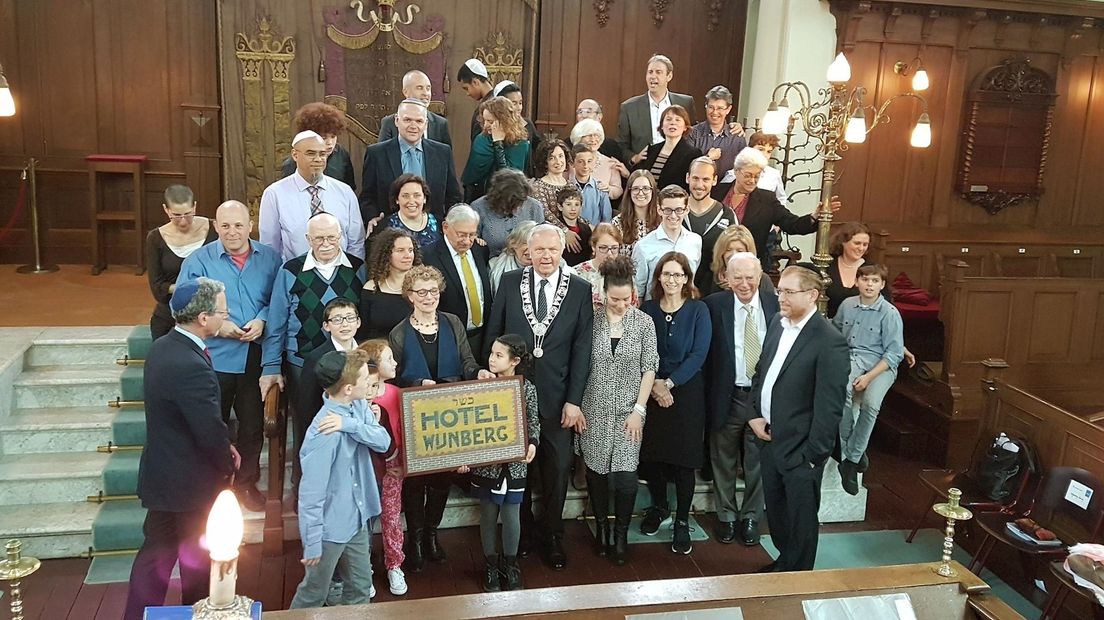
384 22
601 11
659 7
713 8
504 60
253 52
951 511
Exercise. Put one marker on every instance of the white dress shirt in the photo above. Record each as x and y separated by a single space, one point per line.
326 269
285 209
790 332
648 250
739 316
475 273
655 109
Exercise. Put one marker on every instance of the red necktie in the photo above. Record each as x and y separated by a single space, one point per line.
207 354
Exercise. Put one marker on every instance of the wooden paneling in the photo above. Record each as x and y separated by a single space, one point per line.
607 63
109 76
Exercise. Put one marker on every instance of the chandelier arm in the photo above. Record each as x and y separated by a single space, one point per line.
880 115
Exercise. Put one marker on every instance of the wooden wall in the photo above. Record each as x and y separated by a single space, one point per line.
910 192
110 76
586 59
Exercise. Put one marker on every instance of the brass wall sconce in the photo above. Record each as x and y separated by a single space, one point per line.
916 68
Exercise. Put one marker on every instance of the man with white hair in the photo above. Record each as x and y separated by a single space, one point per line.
409 152
287 204
416 85
464 263
740 317
553 311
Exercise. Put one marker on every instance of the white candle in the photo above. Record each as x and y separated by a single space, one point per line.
224 536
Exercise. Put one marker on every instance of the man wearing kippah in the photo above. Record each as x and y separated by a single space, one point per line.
476 82
188 458
287 204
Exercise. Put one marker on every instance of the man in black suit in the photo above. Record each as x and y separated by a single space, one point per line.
416 85
409 152
188 457
467 292
798 390
554 312
740 317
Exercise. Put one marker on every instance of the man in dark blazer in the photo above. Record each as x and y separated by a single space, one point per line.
638 122
409 152
450 254
740 317
188 457
565 315
416 85
798 391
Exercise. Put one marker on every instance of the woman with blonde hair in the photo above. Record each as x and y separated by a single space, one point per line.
733 239
504 143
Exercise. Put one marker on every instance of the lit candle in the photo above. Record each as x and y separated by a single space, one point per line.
224 536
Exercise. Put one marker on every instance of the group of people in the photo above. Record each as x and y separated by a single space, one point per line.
650 340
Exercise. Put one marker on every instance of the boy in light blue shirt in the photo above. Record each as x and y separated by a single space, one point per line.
338 494
875 335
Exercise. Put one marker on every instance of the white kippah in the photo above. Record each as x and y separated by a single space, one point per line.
306 135
477 67
501 86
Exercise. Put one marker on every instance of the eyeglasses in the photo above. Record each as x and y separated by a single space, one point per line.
606 249
343 320
785 292
717 108
465 236
182 216
672 276
422 293
641 190
223 313
743 174
315 154
670 211
586 111
330 239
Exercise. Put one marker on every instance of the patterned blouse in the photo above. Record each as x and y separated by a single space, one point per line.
612 389
545 193
642 231
425 236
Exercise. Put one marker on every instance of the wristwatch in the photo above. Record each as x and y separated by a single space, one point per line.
670 384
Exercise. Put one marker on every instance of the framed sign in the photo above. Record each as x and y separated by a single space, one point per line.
468 423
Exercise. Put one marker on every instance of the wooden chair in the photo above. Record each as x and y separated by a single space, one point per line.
275 430
938 481
1066 585
1069 521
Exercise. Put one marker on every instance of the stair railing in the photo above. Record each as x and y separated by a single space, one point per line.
275 430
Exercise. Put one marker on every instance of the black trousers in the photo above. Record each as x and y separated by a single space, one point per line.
161 323
170 536
424 499
793 500
242 394
554 455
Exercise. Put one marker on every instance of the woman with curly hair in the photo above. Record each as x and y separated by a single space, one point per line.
328 122
504 143
639 215
410 195
392 253
507 202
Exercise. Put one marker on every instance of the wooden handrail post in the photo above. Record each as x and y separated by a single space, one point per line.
275 429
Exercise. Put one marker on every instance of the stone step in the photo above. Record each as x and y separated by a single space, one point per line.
57 530
66 386
49 477
78 346
138 342
56 429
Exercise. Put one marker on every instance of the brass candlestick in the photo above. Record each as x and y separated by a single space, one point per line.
14 569
952 512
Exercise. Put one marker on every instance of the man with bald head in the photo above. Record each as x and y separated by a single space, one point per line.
248 269
589 108
287 204
740 317
409 152
416 85
297 309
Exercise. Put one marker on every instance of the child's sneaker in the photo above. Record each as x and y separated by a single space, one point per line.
372 592
396 580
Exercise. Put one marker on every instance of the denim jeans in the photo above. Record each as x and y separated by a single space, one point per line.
860 411
353 561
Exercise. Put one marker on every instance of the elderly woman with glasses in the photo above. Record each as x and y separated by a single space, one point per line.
166 248
430 347
607 171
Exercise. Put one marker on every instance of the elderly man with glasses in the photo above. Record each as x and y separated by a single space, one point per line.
287 204
669 237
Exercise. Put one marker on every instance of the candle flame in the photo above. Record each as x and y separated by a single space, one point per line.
224 527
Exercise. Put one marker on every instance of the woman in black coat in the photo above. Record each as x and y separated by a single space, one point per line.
669 161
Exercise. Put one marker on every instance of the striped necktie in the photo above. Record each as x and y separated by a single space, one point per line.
752 347
316 200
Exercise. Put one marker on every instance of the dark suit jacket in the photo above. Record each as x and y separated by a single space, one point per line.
437 129
186 461
453 298
807 399
383 164
720 366
763 211
678 163
310 392
562 373
634 124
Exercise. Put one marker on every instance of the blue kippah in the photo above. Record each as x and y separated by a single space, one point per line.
183 295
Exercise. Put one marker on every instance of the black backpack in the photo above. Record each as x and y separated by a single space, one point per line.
999 472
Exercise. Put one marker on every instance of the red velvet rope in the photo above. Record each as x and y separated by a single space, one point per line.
19 206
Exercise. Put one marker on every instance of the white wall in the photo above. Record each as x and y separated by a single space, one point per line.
788 40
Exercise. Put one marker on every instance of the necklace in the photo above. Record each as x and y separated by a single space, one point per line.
420 222
853 265
430 324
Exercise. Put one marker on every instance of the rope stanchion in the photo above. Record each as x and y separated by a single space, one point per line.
38 266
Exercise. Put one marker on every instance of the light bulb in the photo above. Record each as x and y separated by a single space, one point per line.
224 527
774 123
921 134
920 80
7 103
856 129
839 71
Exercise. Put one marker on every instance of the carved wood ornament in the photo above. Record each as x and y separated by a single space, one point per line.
601 11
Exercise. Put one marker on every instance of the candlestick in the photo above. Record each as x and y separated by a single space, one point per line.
224 536
13 570
953 512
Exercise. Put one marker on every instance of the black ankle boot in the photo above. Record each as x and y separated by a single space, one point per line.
621 543
433 549
512 572
491 580
415 551
602 540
